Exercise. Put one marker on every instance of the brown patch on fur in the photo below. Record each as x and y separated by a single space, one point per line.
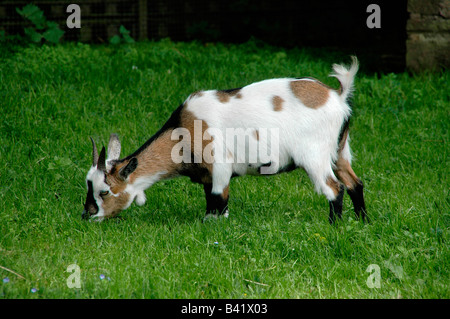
256 133
225 192
224 96
277 102
117 185
334 185
156 158
197 94
341 143
339 91
312 94
346 174
113 205
198 172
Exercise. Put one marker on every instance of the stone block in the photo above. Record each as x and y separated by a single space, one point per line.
425 6
427 51
428 23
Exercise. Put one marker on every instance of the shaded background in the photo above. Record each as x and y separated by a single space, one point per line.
334 25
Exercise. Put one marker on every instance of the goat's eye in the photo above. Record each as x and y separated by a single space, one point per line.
104 193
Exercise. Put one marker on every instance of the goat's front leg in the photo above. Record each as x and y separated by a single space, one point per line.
336 204
217 192
216 204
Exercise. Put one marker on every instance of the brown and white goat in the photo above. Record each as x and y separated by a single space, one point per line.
276 125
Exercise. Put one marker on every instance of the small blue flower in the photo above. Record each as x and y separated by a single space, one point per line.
216 243
102 276
33 290
6 280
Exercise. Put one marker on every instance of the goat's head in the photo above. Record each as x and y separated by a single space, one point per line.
107 182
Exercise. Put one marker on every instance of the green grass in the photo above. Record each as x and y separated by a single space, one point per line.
277 242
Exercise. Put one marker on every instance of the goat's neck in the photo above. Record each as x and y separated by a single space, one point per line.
154 163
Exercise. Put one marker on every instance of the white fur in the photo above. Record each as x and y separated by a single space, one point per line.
307 137
136 190
346 77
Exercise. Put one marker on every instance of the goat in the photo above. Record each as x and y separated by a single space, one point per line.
311 122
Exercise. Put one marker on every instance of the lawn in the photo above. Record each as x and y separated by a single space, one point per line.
277 242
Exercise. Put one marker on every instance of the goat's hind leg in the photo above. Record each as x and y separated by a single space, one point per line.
336 204
357 196
326 183
354 187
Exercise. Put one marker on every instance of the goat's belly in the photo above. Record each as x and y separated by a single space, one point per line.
269 168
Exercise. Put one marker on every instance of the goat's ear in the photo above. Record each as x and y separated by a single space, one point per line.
101 160
124 172
94 153
113 147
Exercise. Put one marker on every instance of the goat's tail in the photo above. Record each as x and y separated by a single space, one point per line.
346 77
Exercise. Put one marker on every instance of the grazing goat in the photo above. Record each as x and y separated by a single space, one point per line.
275 125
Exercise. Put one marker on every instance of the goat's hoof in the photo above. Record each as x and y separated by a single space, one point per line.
209 217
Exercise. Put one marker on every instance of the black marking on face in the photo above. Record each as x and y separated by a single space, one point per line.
90 206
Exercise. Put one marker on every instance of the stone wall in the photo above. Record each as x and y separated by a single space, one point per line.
428 28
